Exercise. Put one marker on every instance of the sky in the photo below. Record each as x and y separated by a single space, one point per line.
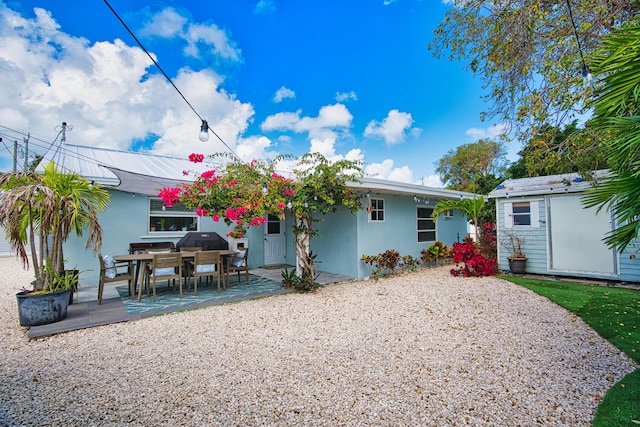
348 79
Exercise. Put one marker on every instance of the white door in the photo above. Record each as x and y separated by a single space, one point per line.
274 241
576 237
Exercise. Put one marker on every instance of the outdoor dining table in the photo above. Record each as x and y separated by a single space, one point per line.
143 259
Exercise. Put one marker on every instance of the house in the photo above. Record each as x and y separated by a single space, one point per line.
561 236
398 216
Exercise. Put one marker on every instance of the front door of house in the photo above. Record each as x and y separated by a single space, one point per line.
274 241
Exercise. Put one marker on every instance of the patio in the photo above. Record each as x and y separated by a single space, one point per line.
118 306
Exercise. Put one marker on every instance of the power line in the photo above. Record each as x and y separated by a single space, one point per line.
168 78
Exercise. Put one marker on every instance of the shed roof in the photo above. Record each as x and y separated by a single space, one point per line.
550 184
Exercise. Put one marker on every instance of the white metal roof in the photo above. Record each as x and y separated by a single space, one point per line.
376 185
551 184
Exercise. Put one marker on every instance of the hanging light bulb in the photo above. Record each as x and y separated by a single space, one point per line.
265 190
587 75
306 205
204 131
289 204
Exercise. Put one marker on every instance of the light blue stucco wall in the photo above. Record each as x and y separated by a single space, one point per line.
536 246
125 221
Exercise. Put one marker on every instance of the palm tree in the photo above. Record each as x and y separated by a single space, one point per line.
617 117
50 206
471 207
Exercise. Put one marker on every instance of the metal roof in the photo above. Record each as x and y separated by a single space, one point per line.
144 173
551 184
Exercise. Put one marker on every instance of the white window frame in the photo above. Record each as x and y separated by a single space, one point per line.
534 214
177 214
376 208
429 219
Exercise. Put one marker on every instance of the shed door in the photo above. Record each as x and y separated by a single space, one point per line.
576 237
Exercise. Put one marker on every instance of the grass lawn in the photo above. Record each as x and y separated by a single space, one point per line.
615 314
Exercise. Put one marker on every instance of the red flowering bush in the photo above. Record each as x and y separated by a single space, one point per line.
243 194
473 263
488 240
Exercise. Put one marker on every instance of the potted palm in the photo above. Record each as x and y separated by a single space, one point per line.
40 211
514 242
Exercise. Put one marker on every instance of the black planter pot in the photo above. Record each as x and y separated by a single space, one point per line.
518 265
41 309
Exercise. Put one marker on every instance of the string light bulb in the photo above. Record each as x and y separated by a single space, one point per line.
204 131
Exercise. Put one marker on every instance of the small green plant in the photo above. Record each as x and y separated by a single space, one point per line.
410 263
303 283
438 252
390 262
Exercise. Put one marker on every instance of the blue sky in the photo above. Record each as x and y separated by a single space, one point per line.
349 79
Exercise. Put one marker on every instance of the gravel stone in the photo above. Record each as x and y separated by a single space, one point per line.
423 348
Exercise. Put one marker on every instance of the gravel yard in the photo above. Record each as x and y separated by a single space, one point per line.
423 348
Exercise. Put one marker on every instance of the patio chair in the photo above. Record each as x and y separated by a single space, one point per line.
113 271
186 267
165 266
205 264
239 262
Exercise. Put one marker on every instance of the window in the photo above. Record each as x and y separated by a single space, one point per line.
376 209
521 213
176 218
426 225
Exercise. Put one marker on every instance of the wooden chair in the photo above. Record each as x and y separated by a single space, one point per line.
165 266
205 264
239 262
187 265
116 272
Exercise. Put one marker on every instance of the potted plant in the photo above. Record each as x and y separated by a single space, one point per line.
41 211
514 242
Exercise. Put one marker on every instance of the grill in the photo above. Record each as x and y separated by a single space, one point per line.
207 241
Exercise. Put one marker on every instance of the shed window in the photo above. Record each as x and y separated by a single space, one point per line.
522 213
377 210
175 218
426 225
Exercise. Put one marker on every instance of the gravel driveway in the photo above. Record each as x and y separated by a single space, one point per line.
423 348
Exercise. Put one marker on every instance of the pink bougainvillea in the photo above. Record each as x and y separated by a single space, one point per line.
196 158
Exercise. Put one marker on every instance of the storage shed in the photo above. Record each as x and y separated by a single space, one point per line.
560 236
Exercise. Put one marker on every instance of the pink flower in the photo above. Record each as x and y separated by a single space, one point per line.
169 196
281 206
216 217
196 158
208 174
288 192
200 211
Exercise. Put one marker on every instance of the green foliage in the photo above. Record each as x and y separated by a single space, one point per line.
390 262
438 252
302 283
526 54
464 167
617 111
50 206
553 151
614 313
471 207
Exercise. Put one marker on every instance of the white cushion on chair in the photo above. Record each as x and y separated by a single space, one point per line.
109 267
169 271
238 259
205 268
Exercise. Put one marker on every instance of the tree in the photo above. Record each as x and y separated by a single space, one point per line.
555 151
50 206
321 186
465 167
471 207
526 54
617 111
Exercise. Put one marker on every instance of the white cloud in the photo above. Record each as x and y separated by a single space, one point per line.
393 128
255 147
283 93
201 39
106 92
330 120
388 2
431 181
491 132
386 170
265 6
346 96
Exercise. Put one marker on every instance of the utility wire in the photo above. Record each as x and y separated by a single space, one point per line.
167 77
